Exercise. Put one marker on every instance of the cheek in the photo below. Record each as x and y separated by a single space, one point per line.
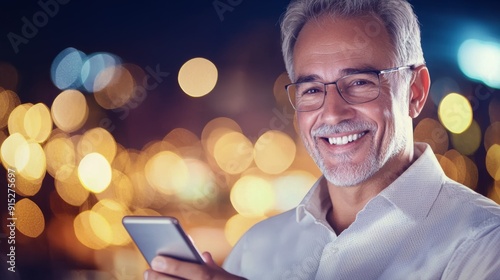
304 122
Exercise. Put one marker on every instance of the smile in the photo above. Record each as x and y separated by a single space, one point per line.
345 139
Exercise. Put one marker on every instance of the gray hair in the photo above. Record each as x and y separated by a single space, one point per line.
397 16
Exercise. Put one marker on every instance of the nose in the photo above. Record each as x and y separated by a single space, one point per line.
335 109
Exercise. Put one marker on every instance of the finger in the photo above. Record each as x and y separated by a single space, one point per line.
209 260
153 275
178 268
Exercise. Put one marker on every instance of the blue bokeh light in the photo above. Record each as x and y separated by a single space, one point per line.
480 60
66 68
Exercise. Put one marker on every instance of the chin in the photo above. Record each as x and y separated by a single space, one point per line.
349 175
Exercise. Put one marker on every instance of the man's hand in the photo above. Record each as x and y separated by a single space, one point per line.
168 268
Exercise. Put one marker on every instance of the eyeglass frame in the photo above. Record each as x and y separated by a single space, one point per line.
378 72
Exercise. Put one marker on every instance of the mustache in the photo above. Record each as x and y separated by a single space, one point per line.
342 127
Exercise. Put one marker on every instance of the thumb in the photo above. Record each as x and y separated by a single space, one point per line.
209 260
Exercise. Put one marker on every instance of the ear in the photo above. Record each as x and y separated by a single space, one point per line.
419 90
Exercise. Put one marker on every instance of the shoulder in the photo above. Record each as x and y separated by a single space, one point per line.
468 202
478 255
274 224
462 210
259 242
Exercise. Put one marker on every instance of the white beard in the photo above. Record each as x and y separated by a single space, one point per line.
346 173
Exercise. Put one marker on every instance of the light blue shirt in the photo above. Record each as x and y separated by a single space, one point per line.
422 226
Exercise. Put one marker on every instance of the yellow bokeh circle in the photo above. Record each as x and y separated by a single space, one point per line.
197 77
94 172
233 152
69 110
493 161
38 122
252 196
274 152
30 220
455 113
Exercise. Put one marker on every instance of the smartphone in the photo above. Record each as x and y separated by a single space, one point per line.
161 235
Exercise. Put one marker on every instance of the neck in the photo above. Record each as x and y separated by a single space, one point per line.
348 201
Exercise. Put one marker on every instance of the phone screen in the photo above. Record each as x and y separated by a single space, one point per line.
161 236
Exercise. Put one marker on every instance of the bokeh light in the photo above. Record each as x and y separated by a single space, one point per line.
479 60
113 212
15 122
493 162
252 196
69 110
469 140
233 152
467 172
201 184
442 86
38 123
274 152
167 172
492 135
85 226
197 77
72 193
459 163
455 113
279 91
66 68
94 172
211 239
120 189
28 186
97 140
291 187
433 133
59 151
30 160
237 225
9 149
114 87
214 129
448 166
30 220
93 65
9 100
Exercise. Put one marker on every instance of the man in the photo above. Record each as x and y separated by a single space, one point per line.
384 208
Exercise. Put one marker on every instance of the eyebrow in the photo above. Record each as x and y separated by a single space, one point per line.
343 72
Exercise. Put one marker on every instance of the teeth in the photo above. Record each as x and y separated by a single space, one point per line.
345 139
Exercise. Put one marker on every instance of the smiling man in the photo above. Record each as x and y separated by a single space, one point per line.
384 208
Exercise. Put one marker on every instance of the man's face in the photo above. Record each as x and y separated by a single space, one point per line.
379 131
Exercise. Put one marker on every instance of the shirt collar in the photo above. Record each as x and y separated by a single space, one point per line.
413 192
316 202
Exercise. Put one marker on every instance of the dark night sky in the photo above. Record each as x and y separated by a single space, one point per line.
165 34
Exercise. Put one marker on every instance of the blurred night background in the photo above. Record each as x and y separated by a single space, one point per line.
178 108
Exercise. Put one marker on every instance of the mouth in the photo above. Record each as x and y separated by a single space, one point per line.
346 139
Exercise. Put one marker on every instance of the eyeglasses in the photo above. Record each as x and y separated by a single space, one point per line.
355 88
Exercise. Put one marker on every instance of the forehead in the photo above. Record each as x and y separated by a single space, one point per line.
361 41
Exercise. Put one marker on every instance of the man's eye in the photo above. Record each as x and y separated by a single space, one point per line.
360 83
312 91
